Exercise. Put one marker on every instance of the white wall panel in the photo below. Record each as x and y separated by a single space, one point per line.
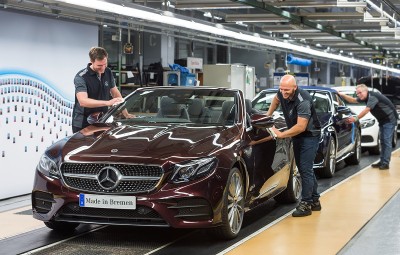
40 58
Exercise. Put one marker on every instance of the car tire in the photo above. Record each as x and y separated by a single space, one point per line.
354 159
330 167
61 226
232 207
394 141
292 192
376 150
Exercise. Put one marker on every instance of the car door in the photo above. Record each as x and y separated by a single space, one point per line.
268 160
344 129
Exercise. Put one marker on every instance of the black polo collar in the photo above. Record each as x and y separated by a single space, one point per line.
90 70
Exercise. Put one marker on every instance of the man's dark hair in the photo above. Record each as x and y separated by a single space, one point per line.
98 53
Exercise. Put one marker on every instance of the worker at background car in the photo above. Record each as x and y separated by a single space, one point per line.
93 87
384 111
304 128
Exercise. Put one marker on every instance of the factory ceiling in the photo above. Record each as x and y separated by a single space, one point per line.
359 29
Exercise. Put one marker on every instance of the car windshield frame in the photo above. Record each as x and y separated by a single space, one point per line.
322 100
353 95
183 106
263 100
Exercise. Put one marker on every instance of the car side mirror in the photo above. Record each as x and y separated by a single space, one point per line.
261 121
94 117
343 109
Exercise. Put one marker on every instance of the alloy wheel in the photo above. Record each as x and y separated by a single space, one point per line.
332 156
235 202
297 182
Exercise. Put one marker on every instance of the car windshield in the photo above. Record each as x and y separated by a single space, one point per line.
352 94
320 99
263 101
198 106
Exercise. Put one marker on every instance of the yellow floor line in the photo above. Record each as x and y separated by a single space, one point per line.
346 208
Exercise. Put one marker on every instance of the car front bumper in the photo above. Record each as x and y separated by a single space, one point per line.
369 136
190 205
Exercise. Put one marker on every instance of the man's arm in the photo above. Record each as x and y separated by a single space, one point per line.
83 98
117 95
87 102
364 112
360 115
274 104
295 130
348 98
372 102
115 92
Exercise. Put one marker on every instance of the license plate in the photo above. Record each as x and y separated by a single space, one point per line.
105 201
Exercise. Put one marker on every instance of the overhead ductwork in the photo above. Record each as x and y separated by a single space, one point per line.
290 59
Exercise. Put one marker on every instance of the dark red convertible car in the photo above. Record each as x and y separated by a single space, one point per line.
193 157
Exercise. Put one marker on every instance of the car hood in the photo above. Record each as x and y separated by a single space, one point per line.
146 144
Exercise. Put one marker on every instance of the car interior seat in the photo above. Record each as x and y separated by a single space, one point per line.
321 105
213 110
249 107
227 113
169 108
196 110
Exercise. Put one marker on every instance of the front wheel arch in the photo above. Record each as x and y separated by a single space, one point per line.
241 165
354 159
232 212
330 160
292 193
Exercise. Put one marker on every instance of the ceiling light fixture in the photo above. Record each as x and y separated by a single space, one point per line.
192 25
209 15
241 24
389 29
346 3
210 6
369 18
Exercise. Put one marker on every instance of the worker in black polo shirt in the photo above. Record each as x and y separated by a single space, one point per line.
304 128
384 111
94 86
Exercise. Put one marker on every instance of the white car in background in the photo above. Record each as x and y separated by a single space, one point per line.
370 136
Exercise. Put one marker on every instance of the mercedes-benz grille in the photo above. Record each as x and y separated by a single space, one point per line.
111 178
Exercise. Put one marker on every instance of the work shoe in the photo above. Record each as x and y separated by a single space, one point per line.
303 209
316 206
384 167
376 165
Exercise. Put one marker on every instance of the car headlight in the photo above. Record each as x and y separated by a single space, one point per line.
47 166
367 123
193 169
